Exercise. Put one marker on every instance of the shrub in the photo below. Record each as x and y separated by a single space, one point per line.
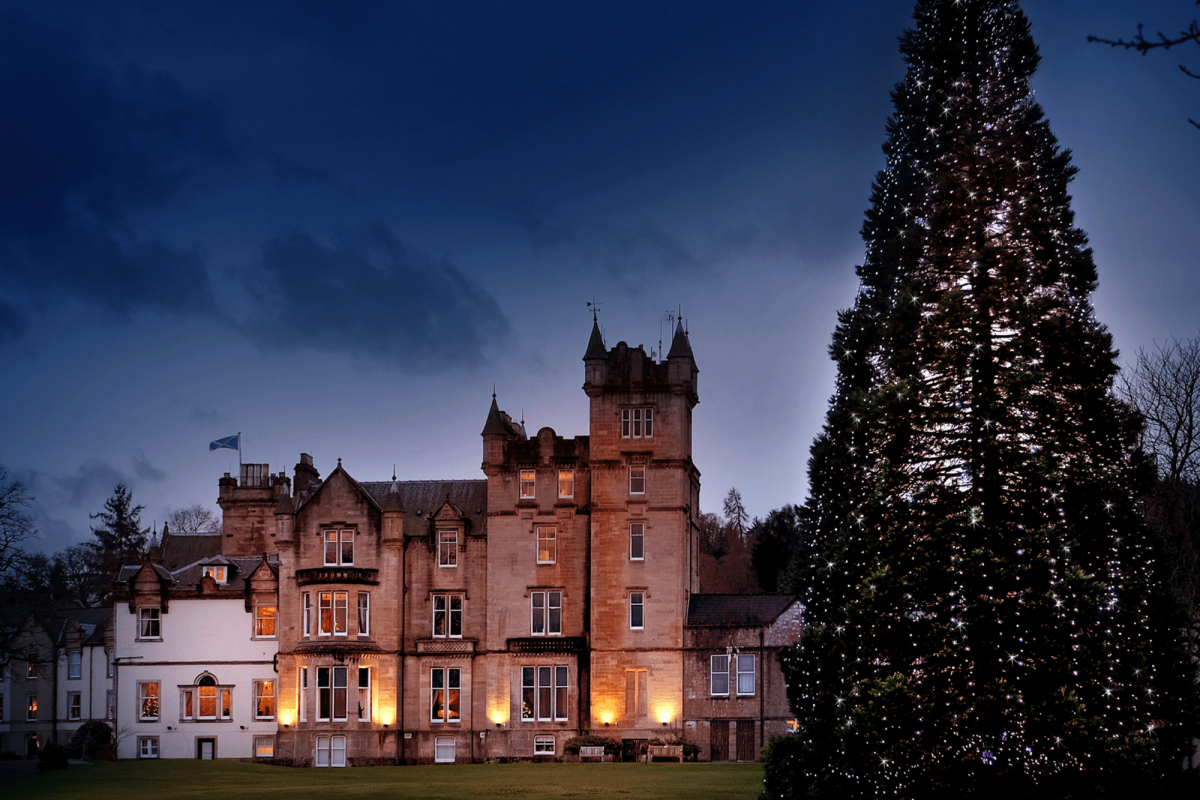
611 746
52 756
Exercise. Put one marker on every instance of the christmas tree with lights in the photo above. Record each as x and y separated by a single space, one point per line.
979 586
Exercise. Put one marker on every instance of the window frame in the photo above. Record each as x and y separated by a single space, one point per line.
527 480
261 619
302 693
333 748
637 611
450 700
74 706
550 554
147 747
265 688
551 625
545 693
364 613
566 479
637 541
218 572
149 701
717 671
750 674
364 694
637 423
338 611
258 746
329 694
149 624
338 547
74 665
539 745
637 478
31 707
447 543
307 622
448 613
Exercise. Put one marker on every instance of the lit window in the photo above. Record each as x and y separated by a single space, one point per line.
447 615
566 483
264 621
332 616
447 548
264 699
331 693
364 614
545 613
364 694
339 548
527 484
544 693
543 745
331 751
264 746
74 664
718 680
637 610
216 572
31 705
547 550
147 747
74 706
148 623
212 701
444 687
637 478
637 541
745 674
637 423
148 700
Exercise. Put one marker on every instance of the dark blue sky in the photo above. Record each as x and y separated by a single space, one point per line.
334 226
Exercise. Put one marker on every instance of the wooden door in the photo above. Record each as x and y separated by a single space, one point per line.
718 740
746 751
205 748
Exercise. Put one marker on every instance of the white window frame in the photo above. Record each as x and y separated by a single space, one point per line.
149 701
265 688
302 692
547 553
74 706
637 541
149 623
718 675
443 749
330 751
307 615
451 617
547 602
364 613
445 680
543 745
261 618
364 694
528 484
637 478
218 572
264 746
337 619
74 665
338 547
637 423
447 541
147 747
637 611
566 483
329 690
745 674
545 693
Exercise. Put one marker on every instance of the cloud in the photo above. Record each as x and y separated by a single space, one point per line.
145 470
370 295
87 154
61 504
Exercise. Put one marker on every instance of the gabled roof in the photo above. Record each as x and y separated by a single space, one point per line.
338 470
423 499
736 610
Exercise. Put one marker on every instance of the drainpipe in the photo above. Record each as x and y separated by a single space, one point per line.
762 695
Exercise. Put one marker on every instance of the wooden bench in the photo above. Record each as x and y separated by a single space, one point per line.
591 752
674 751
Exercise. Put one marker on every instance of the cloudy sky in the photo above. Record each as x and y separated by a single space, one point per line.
335 226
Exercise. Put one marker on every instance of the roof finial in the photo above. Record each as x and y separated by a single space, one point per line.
393 471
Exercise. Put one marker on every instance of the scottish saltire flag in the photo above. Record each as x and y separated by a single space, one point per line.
232 442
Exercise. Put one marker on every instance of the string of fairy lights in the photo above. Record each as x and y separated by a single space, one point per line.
979 585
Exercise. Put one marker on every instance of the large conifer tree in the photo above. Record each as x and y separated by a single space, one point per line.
979 585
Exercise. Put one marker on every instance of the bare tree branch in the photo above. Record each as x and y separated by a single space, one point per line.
15 525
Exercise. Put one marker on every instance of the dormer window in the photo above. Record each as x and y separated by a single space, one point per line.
339 548
217 572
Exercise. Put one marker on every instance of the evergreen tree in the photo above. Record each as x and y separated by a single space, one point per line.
120 538
979 587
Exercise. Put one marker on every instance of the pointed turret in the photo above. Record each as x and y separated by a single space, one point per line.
595 348
495 420
681 364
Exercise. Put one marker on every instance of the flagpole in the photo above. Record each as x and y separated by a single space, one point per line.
239 455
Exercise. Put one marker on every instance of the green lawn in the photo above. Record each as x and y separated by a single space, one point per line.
232 780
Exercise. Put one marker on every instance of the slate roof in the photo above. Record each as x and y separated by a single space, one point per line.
424 498
179 550
736 610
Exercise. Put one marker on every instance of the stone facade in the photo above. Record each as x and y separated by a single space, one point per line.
438 621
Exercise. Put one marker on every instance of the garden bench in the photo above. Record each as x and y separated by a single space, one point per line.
674 751
593 751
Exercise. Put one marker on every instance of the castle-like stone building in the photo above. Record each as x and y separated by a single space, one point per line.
354 622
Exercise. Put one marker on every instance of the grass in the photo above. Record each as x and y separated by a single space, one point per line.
234 780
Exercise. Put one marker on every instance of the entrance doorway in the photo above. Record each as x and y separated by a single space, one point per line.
206 749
